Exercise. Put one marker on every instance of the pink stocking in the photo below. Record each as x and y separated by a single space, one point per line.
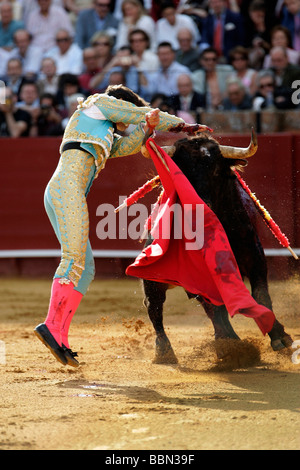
72 305
60 294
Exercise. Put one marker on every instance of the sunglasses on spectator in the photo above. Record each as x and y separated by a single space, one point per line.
102 5
267 85
211 59
63 39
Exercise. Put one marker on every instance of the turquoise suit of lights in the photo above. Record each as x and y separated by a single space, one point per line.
92 126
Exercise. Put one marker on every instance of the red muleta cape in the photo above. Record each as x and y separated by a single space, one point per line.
206 267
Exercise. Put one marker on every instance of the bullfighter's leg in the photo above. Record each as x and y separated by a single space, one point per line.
155 296
65 203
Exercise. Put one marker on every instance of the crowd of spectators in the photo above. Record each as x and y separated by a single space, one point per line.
182 56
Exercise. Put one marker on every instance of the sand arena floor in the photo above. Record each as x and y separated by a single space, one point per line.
119 400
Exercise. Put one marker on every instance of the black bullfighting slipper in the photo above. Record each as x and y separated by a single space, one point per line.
70 356
44 335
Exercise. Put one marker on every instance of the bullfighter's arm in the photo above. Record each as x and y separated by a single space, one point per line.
132 144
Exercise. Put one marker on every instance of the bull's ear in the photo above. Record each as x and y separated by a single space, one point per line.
238 164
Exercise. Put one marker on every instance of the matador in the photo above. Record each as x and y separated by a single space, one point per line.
88 142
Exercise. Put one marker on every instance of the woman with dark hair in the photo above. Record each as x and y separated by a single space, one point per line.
239 59
281 36
145 59
89 140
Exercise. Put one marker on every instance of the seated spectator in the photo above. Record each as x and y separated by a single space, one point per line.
44 22
30 56
146 59
271 96
4 58
66 54
13 122
187 54
237 98
264 97
281 36
187 99
49 121
117 78
30 102
28 6
8 26
222 29
14 77
134 17
291 20
285 73
91 69
17 8
238 58
210 79
258 34
92 20
123 61
48 82
103 45
29 95
165 79
171 23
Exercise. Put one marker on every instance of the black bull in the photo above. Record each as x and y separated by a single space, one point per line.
202 161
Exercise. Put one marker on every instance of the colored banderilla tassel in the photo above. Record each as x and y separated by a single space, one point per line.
281 237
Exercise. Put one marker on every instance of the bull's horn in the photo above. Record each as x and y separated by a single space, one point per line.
238 152
169 149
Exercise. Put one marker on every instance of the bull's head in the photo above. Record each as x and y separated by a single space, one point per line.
234 153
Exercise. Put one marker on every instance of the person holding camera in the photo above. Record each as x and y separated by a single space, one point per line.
49 121
126 63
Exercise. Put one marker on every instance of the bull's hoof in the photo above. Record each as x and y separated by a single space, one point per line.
279 338
277 345
284 342
167 358
164 353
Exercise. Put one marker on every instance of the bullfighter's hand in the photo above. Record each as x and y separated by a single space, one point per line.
152 118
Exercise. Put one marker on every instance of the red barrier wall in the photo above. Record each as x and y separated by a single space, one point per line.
26 165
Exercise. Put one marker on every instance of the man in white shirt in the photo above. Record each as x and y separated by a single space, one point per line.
165 80
30 56
28 6
66 54
168 27
45 22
